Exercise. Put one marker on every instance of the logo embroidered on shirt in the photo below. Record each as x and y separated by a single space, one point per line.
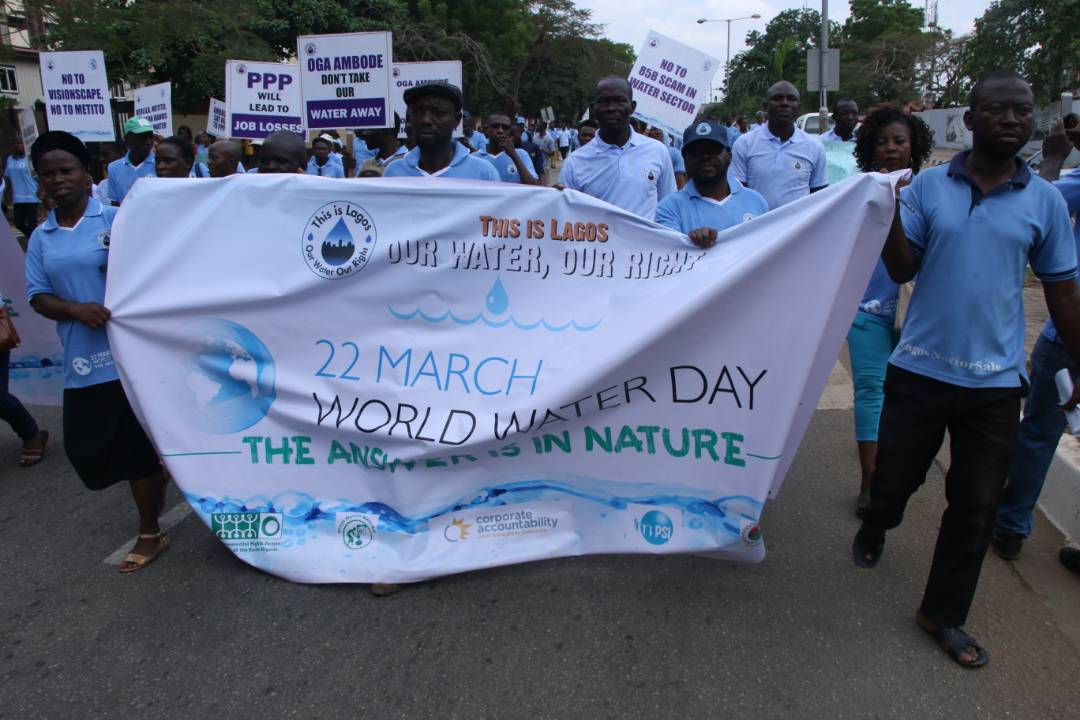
798 165
651 176
103 239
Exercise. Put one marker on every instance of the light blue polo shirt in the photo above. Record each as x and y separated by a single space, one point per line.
122 175
361 151
478 141
781 172
831 136
1069 187
965 324
331 169
688 209
70 264
463 165
23 185
634 177
678 164
504 165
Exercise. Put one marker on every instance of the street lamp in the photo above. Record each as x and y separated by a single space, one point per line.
727 56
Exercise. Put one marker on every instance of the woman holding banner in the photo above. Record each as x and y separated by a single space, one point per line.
65 280
888 140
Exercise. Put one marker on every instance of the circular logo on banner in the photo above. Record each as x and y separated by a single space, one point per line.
50 65
241 69
93 63
652 43
338 240
397 72
310 48
706 65
356 533
656 527
81 366
750 534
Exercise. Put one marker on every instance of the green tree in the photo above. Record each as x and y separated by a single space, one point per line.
882 45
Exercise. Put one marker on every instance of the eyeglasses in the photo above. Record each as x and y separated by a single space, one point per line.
499 126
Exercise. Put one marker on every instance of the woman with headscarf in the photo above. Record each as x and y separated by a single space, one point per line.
66 262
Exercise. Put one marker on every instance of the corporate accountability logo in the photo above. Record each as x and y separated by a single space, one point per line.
338 240
499 523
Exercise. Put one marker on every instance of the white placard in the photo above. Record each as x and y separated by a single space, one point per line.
671 82
154 103
76 91
345 80
217 123
28 127
407 75
360 392
262 98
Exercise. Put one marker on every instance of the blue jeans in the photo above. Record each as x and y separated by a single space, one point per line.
11 410
870 343
1040 431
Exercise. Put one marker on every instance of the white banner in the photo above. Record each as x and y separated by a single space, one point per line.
28 127
217 123
358 392
76 92
154 103
36 372
671 82
262 98
345 79
407 75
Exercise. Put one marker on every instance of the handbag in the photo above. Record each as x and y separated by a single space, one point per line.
9 337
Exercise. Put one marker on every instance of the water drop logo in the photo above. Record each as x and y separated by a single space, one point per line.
497 300
656 527
226 382
338 240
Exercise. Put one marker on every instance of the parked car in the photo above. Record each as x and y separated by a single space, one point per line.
811 123
1070 166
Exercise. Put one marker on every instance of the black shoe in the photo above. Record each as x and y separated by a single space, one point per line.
1008 545
1070 558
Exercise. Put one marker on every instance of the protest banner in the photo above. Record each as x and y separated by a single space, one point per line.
36 370
262 98
154 103
217 123
362 393
345 79
671 82
407 75
28 127
76 92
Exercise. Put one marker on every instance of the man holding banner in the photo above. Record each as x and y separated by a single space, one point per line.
619 165
512 163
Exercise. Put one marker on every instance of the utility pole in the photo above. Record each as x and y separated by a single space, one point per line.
823 51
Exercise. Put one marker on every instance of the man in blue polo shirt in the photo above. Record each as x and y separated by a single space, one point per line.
845 117
476 139
969 229
320 163
710 202
138 163
619 165
434 113
512 163
23 188
779 160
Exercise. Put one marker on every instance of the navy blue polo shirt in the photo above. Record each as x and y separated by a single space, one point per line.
965 324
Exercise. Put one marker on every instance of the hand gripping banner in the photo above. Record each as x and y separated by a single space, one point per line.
390 380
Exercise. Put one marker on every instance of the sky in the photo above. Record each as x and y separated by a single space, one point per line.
628 20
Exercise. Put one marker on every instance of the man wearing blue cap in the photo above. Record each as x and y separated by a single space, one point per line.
711 201
434 112
139 161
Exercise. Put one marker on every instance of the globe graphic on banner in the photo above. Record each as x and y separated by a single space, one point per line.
228 381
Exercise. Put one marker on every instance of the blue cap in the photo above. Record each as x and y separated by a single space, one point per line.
706 130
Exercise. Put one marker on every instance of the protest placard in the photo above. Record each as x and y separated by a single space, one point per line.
216 121
671 82
345 80
28 127
76 92
154 103
262 98
407 75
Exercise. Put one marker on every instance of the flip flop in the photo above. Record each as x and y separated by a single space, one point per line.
867 542
32 456
138 562
955 641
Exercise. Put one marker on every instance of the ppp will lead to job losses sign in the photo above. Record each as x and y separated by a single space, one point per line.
262 98
670 82
345 79
77 94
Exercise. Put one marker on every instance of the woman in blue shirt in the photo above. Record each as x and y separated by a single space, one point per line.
888 140
65 281
175 158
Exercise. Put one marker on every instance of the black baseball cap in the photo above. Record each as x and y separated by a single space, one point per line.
706 130
446 90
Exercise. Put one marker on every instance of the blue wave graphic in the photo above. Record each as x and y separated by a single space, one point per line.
449 315
300 509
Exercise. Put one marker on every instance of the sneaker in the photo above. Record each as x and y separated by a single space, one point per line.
1008 545
1070 558
383 589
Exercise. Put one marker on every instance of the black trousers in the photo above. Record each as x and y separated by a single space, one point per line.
983 425
25 217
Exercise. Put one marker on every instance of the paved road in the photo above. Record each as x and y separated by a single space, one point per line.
805 634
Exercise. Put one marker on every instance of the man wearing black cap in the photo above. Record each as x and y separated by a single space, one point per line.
434 112
711 201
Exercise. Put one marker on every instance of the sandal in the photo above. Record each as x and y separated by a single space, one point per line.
32 456
134 561
868 542
954 641
862 503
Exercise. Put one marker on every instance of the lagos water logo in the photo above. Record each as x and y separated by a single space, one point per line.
703 129
338 240
656 527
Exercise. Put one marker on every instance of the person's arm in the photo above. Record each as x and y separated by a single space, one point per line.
1055 147
566 175
665 184
819 175
524 166
1063 301
739 160
902 256
43 298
